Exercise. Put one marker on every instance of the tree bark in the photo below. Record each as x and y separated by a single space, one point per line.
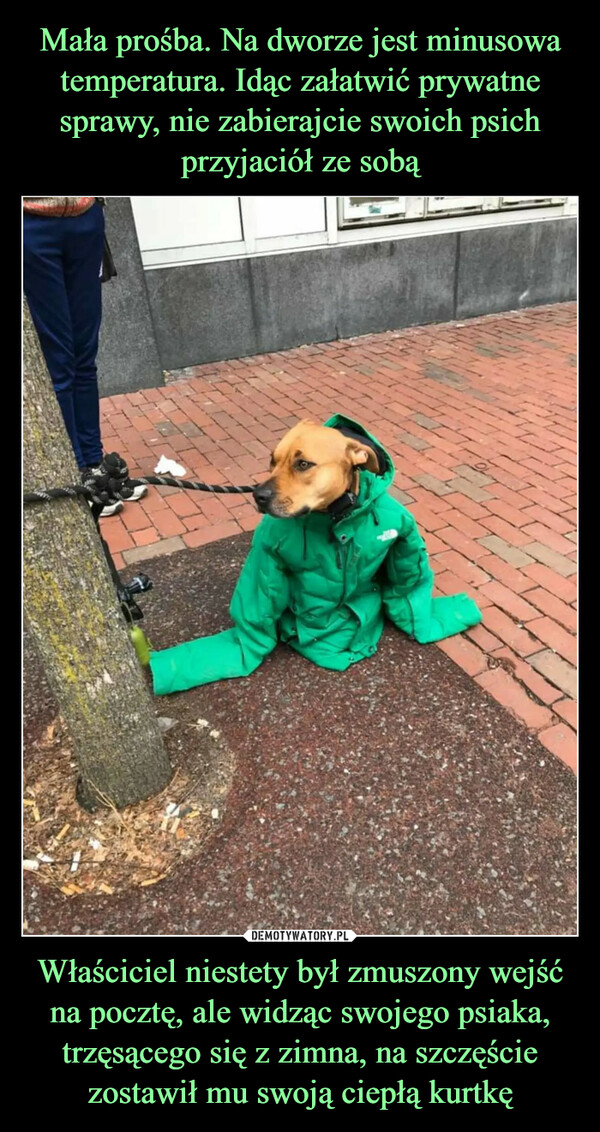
74 617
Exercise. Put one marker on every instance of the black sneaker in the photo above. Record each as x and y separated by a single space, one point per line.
132 494
114 466
97 479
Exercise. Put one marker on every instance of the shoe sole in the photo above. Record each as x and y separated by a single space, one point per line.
137 493
111 509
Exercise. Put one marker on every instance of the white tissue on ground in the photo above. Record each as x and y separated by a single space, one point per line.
166 466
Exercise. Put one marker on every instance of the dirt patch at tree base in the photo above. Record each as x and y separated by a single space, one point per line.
397 798
110 851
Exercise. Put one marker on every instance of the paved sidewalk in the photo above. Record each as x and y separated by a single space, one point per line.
480 420
395 798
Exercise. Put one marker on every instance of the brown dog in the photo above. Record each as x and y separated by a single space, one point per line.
310 468
334 555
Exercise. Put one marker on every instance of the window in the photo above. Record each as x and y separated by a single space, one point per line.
361 211
188 229
512 202
361 208
178 230
445 205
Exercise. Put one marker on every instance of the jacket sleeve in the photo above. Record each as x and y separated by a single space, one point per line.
407 592
259 599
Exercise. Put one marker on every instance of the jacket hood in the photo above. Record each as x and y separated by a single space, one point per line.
372 485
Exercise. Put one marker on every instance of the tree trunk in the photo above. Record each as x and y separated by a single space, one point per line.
73 614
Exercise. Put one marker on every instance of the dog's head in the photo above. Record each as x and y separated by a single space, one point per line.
311 467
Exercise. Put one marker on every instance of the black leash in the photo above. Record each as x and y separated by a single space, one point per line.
100 491
116 489
107 488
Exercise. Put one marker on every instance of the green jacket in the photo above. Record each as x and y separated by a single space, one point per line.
324 588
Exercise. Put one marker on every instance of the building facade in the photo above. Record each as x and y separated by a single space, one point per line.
204 279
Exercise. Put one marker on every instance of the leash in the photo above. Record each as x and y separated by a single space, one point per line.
115 489
100 491
108 487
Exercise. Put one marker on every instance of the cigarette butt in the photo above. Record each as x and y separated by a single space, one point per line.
106 888
70 889
64 829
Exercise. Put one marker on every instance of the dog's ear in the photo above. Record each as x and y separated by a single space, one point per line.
361 454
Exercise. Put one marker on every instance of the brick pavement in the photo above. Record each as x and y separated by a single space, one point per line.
480 420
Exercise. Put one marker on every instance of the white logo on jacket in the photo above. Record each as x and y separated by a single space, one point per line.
387 535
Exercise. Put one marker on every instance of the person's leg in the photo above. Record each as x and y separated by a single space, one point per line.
44 286
84 239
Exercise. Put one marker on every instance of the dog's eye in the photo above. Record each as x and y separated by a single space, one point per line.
304 465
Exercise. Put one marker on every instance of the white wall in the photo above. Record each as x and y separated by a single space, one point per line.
196 229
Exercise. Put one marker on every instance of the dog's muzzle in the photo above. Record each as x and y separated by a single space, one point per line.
263 496
270 503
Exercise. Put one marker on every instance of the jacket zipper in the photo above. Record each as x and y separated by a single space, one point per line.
343 568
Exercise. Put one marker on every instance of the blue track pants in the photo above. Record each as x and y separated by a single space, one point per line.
62 259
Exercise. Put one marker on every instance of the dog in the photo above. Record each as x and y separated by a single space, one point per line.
311 467
333 557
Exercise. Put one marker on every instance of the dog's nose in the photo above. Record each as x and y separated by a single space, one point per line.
262 495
